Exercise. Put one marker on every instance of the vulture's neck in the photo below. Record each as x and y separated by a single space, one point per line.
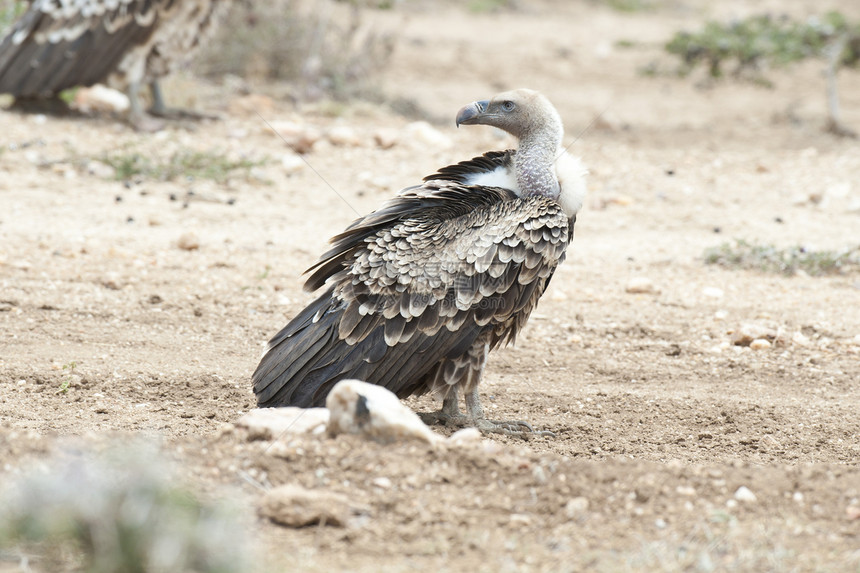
533 162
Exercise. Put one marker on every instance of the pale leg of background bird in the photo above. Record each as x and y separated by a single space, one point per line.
159 106
136 116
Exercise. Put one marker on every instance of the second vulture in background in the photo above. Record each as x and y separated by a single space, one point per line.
421 290
61 44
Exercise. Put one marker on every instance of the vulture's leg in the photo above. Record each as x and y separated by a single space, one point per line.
450 414
136 116
159 106
508 427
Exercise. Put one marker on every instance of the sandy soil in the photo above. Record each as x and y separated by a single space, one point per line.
110 327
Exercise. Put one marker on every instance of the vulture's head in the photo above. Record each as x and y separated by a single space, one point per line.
522 113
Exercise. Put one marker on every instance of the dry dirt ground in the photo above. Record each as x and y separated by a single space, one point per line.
110 328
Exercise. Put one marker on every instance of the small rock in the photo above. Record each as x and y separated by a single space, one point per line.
713 292
465 436
188 242
295 506
374 412
343 135
100 98
747 332
576 507
520 519
852 512
382 482
100 169
292 163
101 409
641 285
272 423
760 344
298 137
800 339
744 494
425 135
386 138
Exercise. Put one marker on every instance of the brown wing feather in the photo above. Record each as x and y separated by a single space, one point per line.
52 48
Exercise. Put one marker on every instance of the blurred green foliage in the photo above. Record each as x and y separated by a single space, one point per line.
741 254
764 39
187 164
119 510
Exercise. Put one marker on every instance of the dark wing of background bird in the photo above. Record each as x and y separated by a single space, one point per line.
413 286
54 47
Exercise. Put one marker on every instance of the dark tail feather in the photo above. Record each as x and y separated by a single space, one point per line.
307 358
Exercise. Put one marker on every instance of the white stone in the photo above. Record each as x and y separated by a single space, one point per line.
576 507
100 98
382 482
424 134
744 494
760 344
374 412
465 436
292 163
343 135
272 423
747 332
713 292
641 285
800 339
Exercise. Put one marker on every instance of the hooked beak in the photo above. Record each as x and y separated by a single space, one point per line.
471 114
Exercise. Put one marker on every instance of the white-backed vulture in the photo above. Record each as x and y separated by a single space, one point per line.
61 44
422 289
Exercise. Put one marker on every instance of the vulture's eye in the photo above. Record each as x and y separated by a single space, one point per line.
508 105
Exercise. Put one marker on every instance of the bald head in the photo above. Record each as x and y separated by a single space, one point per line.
523 113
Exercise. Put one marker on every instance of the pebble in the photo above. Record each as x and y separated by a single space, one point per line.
760 344
425 135
386 138
298 137
374 412
292 163
748 332
744 494
382 482
576 507
100 98
641 285
295 506
465 436
713 292
188 242
343 135
800 339
272 423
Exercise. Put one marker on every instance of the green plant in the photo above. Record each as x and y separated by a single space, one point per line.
189 164
119 510
67 379
767 258
755 42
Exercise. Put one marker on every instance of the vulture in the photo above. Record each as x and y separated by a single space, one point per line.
421 290
60 44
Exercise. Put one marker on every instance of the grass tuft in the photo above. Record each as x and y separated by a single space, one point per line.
187 164
117 511
767 258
